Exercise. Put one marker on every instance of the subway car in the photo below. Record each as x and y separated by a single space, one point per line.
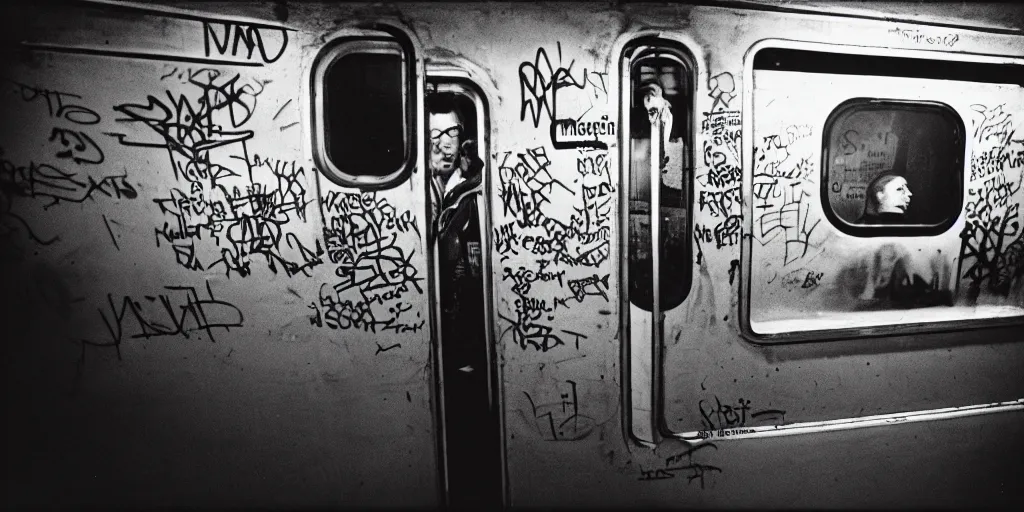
331 255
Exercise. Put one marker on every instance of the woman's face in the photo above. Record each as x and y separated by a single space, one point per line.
894 197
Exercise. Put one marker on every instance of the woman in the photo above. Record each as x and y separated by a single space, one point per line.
886 200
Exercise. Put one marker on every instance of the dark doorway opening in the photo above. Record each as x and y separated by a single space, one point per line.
470 414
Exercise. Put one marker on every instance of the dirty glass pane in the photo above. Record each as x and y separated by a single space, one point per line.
365 113
660 91
893 164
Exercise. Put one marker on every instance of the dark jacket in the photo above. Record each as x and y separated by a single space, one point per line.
456 231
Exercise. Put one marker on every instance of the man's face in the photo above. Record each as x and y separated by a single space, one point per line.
445 137
894 197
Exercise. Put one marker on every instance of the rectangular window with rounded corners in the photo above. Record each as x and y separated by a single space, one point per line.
364 112
659 85
657 79
892 168
885 195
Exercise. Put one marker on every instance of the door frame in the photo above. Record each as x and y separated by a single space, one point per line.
462 79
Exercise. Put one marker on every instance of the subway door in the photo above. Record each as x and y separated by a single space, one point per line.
657 89
468 382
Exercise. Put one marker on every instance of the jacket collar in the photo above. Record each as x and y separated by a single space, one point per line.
470 185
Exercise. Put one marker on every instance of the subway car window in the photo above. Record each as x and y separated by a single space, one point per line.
660 98
926 214
362 115
893 168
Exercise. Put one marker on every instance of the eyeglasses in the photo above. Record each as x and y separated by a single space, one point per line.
453 132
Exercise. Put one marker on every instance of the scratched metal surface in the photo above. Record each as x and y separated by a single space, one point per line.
801 279
145 351
222 297
713 377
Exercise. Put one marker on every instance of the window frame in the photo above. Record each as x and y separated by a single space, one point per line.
380 41
995 68
678 56
854 105
462 77
630 50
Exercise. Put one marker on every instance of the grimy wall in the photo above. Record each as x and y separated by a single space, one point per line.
190 307
193 315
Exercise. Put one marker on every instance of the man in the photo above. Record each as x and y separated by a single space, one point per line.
455 190
472 429
455 185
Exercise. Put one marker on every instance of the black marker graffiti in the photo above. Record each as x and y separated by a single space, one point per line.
720 415
166 314
595 128
375 272
720 202
506 239
992 244
528 333
551 222
45 180
721 89
58 104
84 149
724 234
226 36
593 285
11 223
683 461
106 223
915 36
593 164
381 348
723 135
539 85
523 278
577 335
734 267
790 220
222 216
720 194
801 278
570 426
781 211
37 180
555 245
527 185
992 252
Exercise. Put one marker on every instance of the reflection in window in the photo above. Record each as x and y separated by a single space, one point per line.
660 95
893 167
362 119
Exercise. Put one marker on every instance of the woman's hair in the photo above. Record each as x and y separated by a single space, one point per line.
871 195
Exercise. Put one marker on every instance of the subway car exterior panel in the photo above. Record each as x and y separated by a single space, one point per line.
302 254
